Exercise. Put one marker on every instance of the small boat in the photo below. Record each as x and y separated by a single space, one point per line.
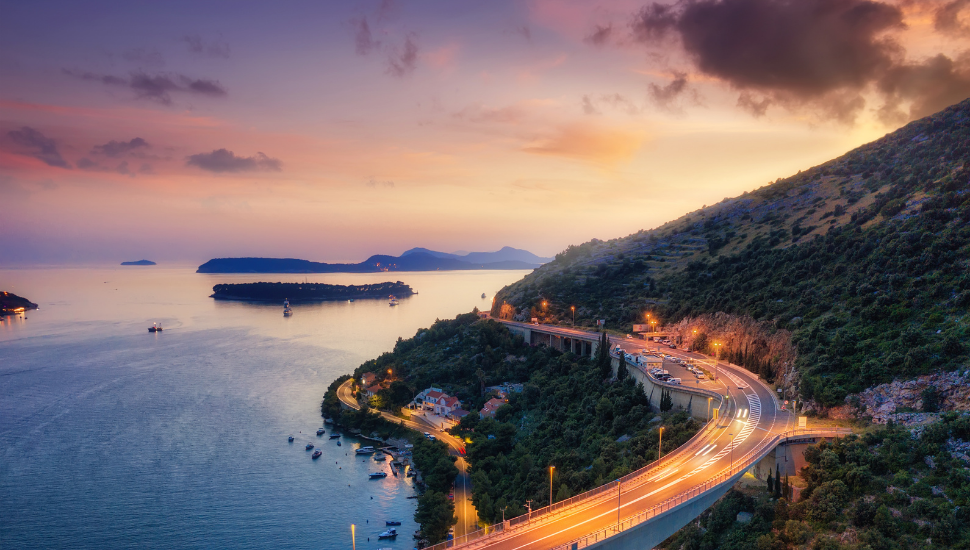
483 295
154 328
350 300
316 455
380 457
389 534
392 301
334 436
286 308
291 439
309 446
338 443
320 431
365 450
390 523
378 475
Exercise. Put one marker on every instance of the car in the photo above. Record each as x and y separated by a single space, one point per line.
674 380
700 375
426 434
673 346
629 336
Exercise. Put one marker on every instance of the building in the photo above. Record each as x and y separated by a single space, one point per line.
490 407
372 390
458 414
446 404
367 379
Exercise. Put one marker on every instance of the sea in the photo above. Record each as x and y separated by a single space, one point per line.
114 437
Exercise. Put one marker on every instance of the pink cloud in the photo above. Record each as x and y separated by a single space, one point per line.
445 57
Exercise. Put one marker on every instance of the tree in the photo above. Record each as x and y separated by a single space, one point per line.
931 400
621 371
777 482
480 374
771 483
666 402
436 514
603 359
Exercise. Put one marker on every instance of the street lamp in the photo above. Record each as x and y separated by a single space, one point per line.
732 452
551 468
619 494
660 448
708 409
574 314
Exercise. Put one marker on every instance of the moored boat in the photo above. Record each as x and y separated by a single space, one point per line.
290 439
365 450
380 457
320 431
309 446
286 308
316 454
392 300
390 523
389 534
378 475
334 436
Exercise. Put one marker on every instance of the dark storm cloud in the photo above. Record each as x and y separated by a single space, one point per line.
198 46
363 39
928 86
158 87
757 107
600 35
222 160
117 148
39 146
402 62
947 17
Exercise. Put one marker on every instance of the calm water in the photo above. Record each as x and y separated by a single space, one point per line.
113 437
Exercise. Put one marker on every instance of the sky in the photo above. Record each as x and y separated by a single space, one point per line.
331 131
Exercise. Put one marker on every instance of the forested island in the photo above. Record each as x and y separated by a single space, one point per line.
139 262
10 303
307 292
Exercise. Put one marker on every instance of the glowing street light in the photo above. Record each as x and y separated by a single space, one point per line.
353 536
732 452
574 314
660 448
551 468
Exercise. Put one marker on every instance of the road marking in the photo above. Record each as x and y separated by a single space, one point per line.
702 450
711 449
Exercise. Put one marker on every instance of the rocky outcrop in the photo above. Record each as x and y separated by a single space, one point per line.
902 401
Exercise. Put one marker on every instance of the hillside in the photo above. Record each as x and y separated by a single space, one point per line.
10 303
413 260
853 272
307 292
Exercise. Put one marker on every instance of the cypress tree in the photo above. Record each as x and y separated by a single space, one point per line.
603 360
777 481
666 402
771 483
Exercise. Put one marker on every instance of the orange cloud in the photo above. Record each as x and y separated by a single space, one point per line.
589 143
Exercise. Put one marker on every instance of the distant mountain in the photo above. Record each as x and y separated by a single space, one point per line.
506 254
139 262
11 303
416 259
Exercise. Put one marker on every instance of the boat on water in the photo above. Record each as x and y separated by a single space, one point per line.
290 439
334 436
390 523
378 475
320 431
309 446
350 300
391 300
483 295
365 450
389 534
338 443
286 308
316 454
156 327
380 457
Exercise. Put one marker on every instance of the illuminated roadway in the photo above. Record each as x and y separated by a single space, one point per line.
748 418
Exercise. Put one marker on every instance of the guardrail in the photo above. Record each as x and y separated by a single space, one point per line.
726 475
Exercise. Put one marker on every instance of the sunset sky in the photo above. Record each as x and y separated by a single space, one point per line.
330 131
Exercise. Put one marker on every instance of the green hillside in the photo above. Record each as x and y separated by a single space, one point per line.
860 264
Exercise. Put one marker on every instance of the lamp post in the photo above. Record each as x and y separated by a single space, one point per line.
551 468
732 452
708 409
353 536
619 494
574 314
717 358
660 448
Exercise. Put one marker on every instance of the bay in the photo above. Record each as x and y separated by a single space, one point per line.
112 437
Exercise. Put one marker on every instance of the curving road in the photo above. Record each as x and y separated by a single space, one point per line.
464 510
750 418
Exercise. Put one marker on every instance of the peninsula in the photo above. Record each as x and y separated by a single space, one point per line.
10 304
416 259
307 292
139 262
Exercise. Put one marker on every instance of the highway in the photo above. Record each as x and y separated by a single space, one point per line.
750 418
464 510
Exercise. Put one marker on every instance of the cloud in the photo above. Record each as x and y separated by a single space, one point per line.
823 53
84 163
38 145
403 62
363 39
151 58
756 107
117 148
215 48
222 160
587 142
928 86
594 105
372 182
588 107
159 87
947 17
666 96
600 35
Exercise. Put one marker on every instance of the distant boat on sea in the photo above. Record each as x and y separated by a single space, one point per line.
309 446
392 301
334 436
316 455
378 475
483 295
320 431
291 439
155 328
286 308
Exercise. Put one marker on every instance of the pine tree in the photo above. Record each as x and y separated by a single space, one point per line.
777 482
771 483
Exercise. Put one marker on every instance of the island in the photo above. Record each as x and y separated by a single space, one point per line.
139 262
416 259
11 304
307 292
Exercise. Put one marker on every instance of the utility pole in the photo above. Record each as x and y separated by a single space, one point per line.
619 495
551 468
732 452
528 505
660 448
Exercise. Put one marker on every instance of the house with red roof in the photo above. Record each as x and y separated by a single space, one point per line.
491 406
445 404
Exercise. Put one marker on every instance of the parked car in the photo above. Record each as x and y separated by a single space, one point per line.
674 380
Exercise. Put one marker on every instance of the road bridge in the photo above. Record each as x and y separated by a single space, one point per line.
645 507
